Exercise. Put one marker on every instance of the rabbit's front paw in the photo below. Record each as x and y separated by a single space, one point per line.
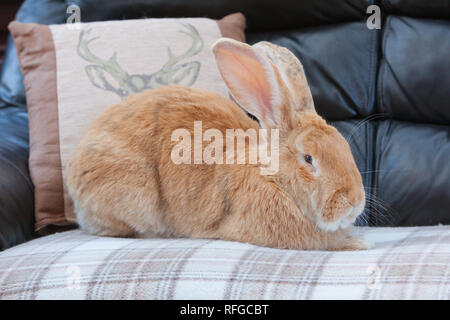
351 244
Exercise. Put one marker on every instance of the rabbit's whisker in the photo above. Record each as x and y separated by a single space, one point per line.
363 121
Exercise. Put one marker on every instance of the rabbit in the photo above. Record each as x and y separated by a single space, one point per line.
123 182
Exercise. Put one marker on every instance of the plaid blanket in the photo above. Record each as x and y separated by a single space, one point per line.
404 263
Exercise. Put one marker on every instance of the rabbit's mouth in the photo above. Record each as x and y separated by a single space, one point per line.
342 220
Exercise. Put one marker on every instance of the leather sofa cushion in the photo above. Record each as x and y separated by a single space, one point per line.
16 188
413 84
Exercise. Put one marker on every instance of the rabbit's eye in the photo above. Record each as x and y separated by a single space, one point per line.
308 159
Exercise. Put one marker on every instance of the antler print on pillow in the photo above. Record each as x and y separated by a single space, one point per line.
174 71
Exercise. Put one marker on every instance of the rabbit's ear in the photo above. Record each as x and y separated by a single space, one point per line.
251 78
291 70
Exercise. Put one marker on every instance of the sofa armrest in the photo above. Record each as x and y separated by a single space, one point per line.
16 188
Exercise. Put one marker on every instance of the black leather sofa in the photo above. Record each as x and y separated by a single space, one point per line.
387 89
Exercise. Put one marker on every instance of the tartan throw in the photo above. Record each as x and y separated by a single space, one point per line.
404 263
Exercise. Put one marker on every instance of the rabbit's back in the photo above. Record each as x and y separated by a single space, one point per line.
122 179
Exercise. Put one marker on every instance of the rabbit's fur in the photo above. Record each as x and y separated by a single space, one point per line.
123 181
